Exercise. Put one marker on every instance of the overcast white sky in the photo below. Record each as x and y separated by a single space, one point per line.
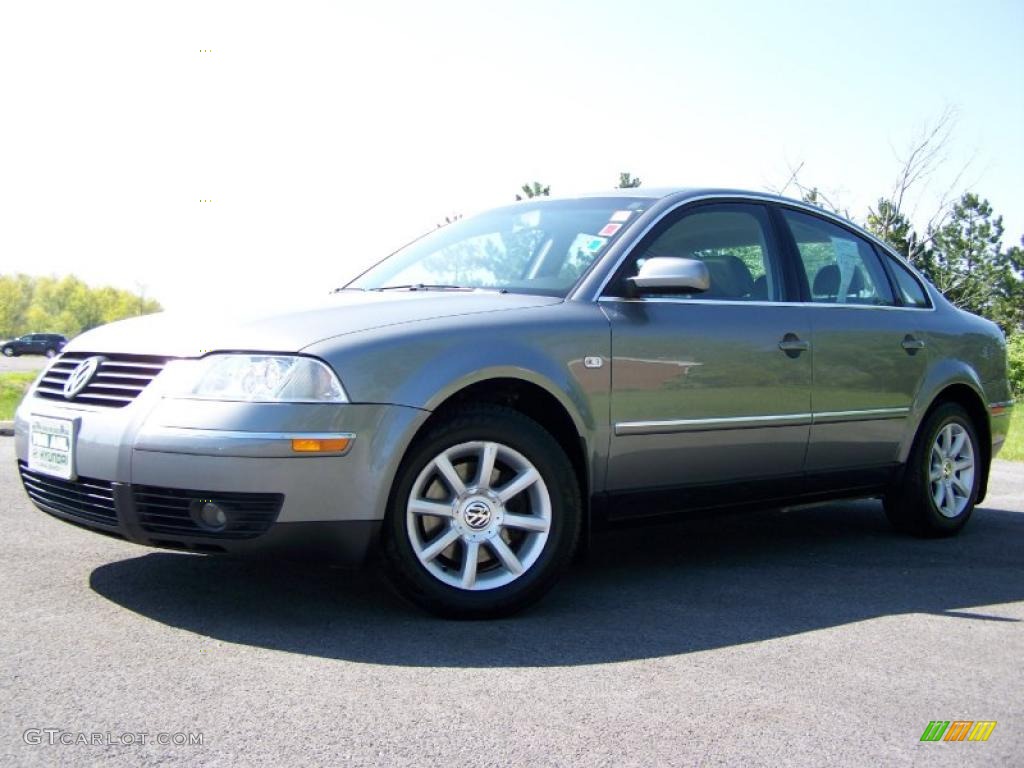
327 134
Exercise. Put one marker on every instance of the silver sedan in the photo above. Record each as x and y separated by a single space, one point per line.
476 404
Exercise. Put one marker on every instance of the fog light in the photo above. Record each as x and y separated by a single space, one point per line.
209 515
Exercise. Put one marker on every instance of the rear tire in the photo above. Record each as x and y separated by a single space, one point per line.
484 515
51 353
940 484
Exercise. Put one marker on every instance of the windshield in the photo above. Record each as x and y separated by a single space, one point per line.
538 247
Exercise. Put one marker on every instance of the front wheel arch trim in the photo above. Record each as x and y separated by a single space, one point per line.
576 445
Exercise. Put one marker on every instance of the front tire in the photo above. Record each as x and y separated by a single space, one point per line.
484 515
940 486
8 352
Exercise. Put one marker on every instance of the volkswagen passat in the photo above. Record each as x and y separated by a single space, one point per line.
475 403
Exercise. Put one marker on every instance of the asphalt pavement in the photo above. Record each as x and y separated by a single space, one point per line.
814 636
23 363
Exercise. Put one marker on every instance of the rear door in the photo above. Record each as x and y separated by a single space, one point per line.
702 393
868 349
33 344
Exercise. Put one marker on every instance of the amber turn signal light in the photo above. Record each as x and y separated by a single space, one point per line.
313 445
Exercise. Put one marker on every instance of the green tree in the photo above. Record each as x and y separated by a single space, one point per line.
628 181
1015 362
449 220
816 197
534 189
15 297
892 227
1009 304
63 305
966 261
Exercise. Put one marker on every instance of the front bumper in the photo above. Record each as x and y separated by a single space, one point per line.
141 470
123 511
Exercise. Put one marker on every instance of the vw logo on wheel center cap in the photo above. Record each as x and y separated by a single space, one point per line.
477 515
81 375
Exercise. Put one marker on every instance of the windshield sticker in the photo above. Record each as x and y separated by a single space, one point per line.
621 216
588 244
609 229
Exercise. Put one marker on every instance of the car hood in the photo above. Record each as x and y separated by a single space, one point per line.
195 332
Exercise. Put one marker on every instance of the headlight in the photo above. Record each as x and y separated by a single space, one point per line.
256 378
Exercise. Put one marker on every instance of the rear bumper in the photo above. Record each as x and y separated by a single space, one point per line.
1000 415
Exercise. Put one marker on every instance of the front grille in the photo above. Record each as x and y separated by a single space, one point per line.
86 499
118 380
168 511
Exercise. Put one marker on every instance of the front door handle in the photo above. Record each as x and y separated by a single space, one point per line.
793 345
911 345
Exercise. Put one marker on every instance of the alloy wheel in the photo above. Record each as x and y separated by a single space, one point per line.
951 470
478 515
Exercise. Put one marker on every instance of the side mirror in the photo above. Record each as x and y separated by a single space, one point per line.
671 275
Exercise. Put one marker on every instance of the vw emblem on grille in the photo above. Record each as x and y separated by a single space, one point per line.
477 515
81 375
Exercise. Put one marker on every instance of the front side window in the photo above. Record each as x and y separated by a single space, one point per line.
731 239
540 247
841 268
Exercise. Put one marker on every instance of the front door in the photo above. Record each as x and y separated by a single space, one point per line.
708 388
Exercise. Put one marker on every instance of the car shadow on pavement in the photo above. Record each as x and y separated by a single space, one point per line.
643 593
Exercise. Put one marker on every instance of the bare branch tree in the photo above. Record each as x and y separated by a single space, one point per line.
917 164
791 181
925 154
813 195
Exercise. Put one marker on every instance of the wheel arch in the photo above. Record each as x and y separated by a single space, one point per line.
971 400
538 403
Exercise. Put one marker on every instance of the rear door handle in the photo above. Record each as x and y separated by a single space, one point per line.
911 345
793 345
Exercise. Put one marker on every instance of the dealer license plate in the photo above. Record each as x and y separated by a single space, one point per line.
51 447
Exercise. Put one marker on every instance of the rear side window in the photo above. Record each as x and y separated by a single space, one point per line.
841 268
911 291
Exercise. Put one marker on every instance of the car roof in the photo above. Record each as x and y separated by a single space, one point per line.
684 193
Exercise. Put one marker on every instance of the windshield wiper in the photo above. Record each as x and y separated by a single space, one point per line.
433 287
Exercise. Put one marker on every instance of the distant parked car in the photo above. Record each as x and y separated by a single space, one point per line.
475 403
49 344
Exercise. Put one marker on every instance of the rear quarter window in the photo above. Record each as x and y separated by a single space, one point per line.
909 287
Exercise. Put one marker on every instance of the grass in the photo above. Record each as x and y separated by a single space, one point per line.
12 389
1013 448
